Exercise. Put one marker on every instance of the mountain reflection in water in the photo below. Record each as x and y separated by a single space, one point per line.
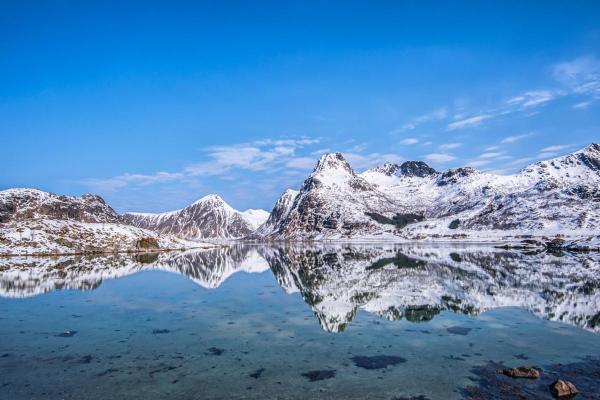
394 282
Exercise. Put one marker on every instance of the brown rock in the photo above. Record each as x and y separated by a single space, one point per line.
147 243
563 389
522 372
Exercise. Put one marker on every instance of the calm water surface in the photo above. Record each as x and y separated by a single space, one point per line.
339 322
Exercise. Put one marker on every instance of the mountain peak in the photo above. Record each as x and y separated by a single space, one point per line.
388 169
416 168
333 161
407 168
210 198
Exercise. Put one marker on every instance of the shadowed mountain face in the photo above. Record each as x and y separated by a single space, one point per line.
414 283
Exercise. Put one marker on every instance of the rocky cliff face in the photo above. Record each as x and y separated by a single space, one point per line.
209 217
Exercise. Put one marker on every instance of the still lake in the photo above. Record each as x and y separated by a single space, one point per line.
314 322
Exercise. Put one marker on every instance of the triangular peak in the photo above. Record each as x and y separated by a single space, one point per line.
332 161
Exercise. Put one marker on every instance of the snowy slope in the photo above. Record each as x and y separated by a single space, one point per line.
209 217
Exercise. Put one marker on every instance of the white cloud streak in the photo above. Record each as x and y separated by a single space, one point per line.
439 157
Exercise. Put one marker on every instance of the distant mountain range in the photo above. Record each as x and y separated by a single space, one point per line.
413 201
408 201
209 217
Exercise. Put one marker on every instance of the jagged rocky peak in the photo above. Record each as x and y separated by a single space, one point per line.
588 156
416 168
408 168
333 161
455 174
387 169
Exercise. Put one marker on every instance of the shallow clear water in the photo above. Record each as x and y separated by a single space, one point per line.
377 322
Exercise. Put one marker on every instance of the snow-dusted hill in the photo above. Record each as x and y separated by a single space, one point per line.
558 196
209 217
37 222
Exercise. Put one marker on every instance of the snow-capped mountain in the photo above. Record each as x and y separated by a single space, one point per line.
37 222
412 200
333 199
209 217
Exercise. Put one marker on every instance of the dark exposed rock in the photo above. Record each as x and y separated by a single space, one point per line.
216 351
256 374
453 175
147 243
522 372
376 362
66 334
490 384
85 359
319 375
416 168
563 389
146 258
458 330
454 224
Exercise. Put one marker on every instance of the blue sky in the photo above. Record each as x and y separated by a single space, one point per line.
154 104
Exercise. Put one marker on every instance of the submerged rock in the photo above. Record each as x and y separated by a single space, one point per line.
522 372
377 362
256 374
458 330
563 389
216 351
66 334
319 375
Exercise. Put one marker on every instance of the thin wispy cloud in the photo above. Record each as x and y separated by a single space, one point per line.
435 115
468 122
409 141
557 147
581 75
268 155
532 98
516 138
450 146
127 179
581 105
439 157
491 155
